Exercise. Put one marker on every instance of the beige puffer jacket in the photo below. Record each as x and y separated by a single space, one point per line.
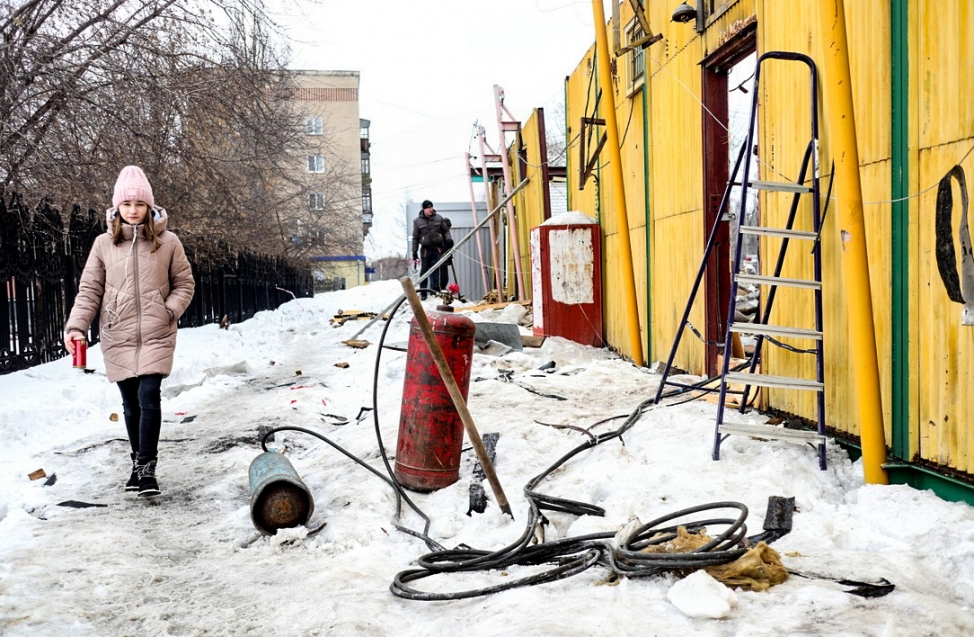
140 295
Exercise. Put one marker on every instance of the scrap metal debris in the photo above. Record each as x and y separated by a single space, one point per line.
478 496
542 394
507 376
572 427
868 589
777 519
77 504
861 589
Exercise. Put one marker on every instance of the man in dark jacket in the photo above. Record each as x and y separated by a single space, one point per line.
431 238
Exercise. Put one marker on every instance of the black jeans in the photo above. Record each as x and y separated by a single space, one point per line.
141 404
437 279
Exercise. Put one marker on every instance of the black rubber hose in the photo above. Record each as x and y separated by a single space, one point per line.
574 555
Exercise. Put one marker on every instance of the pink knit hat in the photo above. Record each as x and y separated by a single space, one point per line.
132 186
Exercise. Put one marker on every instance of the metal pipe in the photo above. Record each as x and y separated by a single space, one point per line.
618 185
511 221
855 259
473 211
495 248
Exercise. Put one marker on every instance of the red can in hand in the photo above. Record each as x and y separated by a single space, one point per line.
80 356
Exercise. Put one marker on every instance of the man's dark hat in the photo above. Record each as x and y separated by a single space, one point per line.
427 204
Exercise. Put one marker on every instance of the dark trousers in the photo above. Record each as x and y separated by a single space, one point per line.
142 406
438 279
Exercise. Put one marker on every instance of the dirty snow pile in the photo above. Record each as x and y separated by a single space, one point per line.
79 556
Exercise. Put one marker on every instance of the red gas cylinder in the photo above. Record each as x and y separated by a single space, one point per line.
430 429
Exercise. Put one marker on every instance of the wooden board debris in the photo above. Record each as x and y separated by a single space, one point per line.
532 341
492 306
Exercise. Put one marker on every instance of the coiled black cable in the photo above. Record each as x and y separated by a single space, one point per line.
571 556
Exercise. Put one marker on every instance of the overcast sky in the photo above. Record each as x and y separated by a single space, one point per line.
427 75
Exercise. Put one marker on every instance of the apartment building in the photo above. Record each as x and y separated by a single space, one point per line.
334 170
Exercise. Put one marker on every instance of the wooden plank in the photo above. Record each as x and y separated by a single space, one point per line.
532 341
491 306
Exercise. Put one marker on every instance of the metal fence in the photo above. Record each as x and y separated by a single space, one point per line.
41 262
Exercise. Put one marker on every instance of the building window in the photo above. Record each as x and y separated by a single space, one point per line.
316 201
313 126
637 57
367 200
366 170
316 164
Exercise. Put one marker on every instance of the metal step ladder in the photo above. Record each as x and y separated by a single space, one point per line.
762 329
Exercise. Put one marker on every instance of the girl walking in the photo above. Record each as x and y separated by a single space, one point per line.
138 278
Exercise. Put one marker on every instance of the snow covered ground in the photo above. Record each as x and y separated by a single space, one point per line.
191 562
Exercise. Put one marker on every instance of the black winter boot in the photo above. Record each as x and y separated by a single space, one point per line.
133 483
148 486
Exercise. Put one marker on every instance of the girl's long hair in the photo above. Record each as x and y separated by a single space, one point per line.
148 230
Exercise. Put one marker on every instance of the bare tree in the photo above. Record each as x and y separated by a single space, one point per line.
194 91
555 135
388 268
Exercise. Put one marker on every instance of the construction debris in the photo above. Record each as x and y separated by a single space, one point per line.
758 569
506 333
532 341
491 306
351 315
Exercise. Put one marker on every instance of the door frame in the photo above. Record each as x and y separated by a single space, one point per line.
715 69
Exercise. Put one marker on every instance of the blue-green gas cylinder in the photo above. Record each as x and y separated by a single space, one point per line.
278 497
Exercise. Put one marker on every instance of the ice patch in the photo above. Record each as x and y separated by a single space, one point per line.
700 595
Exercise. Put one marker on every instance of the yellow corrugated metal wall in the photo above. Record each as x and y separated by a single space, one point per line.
784 133
941 58
676 173
529 202
581 89
676 187
583 100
